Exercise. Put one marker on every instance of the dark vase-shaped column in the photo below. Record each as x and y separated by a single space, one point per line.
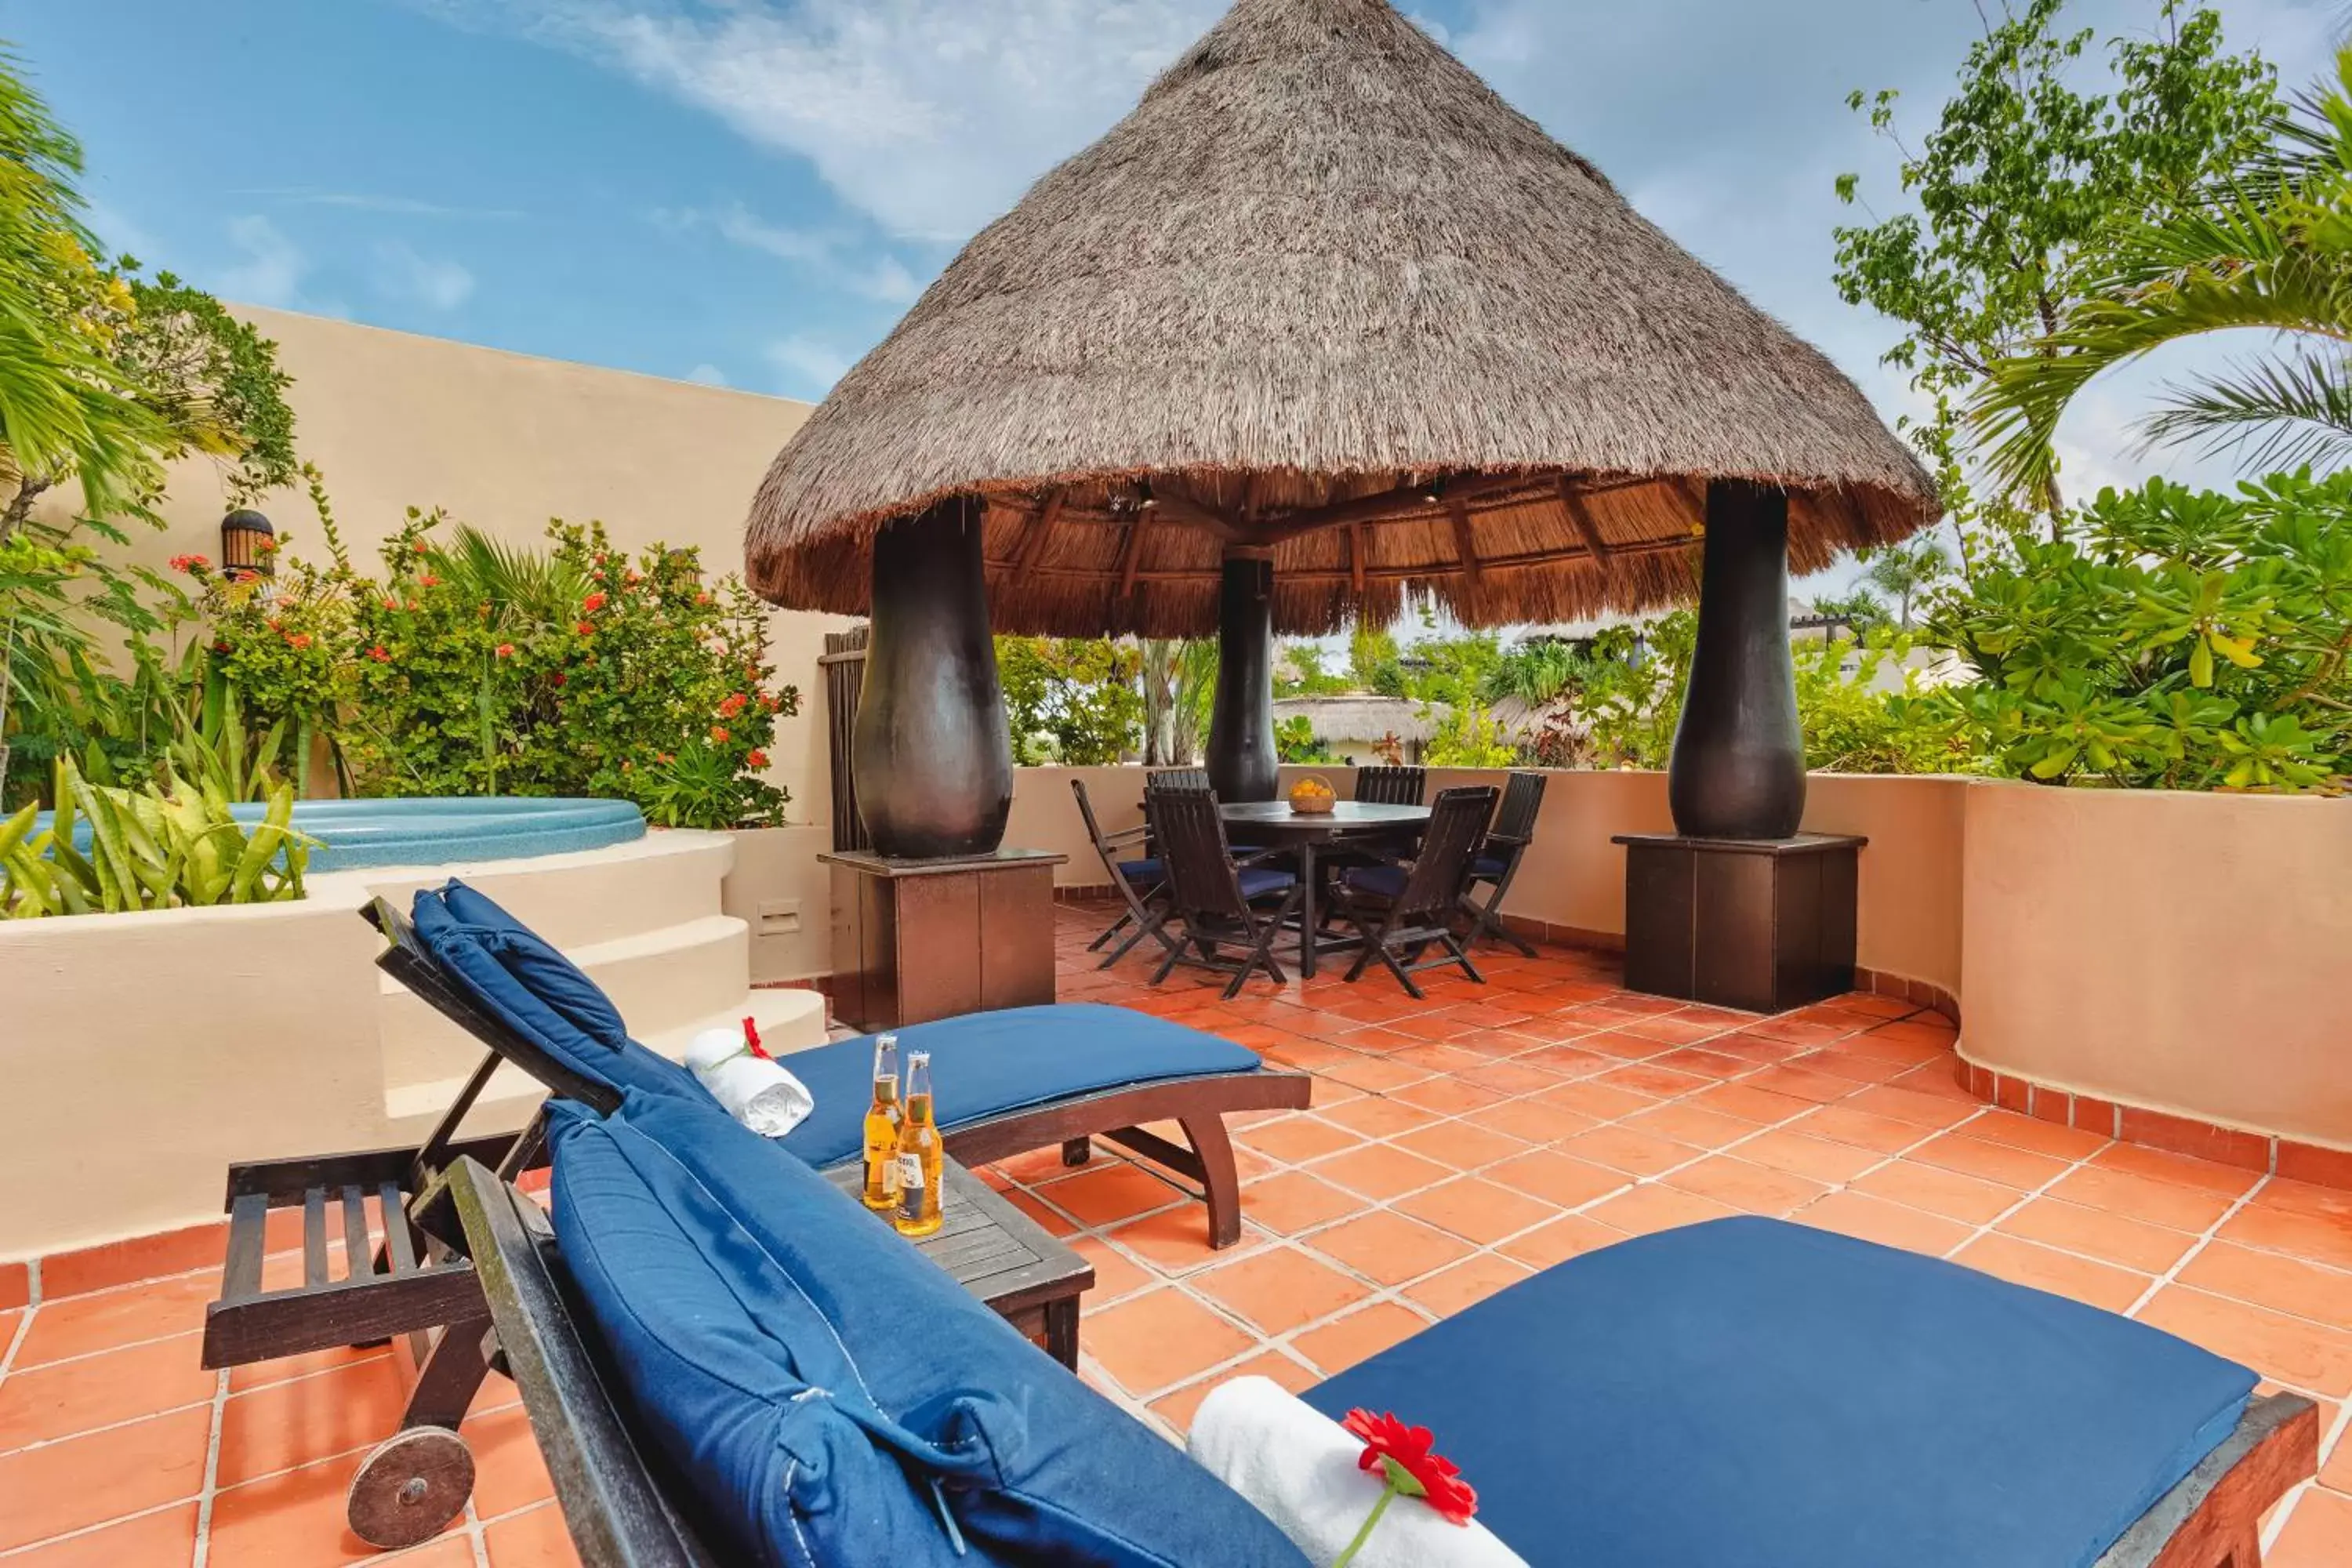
1242 758
933 757
1738 764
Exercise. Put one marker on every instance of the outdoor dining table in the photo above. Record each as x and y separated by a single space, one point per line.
1272 823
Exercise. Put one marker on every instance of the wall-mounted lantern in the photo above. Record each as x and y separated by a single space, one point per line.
248 546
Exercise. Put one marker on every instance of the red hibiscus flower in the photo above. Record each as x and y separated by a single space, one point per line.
298 640
732 705
594 602
751 1041
758 758
504 651
718 734
419 546
380 654
558 678
584 629
428 581
1404 1453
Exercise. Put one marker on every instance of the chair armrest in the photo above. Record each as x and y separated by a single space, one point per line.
1125 837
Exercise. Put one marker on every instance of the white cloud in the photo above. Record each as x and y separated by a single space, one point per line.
366 201
810 368
706 375
876 276
434 283
931 118
272 271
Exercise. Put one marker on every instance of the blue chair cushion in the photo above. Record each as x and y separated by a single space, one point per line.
1489 866
1265 882
1380 882
1752 1394
828 1395
477 960
987 1063
531 959
1141 870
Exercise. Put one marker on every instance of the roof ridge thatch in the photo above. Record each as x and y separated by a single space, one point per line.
1322 261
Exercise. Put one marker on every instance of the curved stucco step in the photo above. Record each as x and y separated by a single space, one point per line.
787 1020
664 879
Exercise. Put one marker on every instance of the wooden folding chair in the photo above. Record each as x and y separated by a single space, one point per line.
1497 860
1141 882
1407 910
1391 786
1216 900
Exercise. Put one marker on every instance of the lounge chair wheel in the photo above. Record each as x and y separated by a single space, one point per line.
410 1488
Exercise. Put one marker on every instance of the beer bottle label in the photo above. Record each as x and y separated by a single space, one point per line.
910 1172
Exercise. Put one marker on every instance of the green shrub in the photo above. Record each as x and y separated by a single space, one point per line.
159 847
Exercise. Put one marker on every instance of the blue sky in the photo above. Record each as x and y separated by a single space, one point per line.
751 191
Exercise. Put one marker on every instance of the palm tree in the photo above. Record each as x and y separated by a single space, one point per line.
1901 571
2274 252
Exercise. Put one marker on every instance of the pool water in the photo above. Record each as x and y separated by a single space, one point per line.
356 834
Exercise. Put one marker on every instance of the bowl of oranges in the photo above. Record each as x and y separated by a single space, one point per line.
1313 796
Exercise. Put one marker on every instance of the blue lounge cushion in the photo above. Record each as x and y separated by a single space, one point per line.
987 1063
828 1395
1752 1394
1380 882
531 959
478 960
1141 870
1265 882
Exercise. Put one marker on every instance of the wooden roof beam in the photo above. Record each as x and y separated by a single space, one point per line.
1032 542
1130 553
1356 562
1579 516
1457 509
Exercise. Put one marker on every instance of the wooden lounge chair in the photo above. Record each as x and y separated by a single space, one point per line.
1220 903
2191 1495
417 1283
1405 912
1497 860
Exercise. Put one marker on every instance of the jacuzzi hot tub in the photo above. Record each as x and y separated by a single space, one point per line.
355 833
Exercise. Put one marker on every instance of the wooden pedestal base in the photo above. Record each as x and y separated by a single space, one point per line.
1763 925
916 939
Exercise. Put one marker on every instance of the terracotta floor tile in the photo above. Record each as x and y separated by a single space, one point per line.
1509 1078
2297 1353
1562 1239
508 1473
1749 1188
2041 1137
1797 1031
291 1424
1376 1116
1861 1129
1532 1121
1176 1241
1947 1193
1691 1124
1439 1058
1109 1193
1622 1046
164 1538
288 1520
1798 1082
1294 1139
1336 1346
1818 1158
2269 1279
1910 1105
1375 1075
1378 1171
1115 1274
2318 1534
1648 1078
1622 1149
80 1325
1388 1246
1705 1062
1448 1096
1055 1221
39 1404
533 1540
86 1480
2317 1236
200 1247
2205 1175
1477 1210
1557 1178
2060 1273
2096 1233
1678 1028
1464 1146
1889 1224
1468 1282
2002 1163
1178 1408
1749 1103
1152 1342
2306 1198
1293 1201
1278 1289
1649 1208
2139 1197
1760 1050
1593 1100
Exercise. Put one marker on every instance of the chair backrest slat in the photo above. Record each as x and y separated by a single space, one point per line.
1194 780
1192 843
1094 831
1522 804
1456 825
1391 786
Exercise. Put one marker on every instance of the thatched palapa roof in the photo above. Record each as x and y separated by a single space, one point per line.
1325 291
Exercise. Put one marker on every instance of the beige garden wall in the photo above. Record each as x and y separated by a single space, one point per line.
505 441
2181 953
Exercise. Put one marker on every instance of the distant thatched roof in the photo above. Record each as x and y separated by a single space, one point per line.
1363 718
1325 291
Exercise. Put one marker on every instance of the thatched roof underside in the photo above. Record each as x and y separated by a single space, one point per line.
1325 292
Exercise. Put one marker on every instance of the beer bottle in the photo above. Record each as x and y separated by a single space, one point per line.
881 1192
919 1153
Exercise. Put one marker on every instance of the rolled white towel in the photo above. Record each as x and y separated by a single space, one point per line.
1298 1466
754 1090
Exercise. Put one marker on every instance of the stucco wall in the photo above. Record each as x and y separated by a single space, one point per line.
2183 952
505 442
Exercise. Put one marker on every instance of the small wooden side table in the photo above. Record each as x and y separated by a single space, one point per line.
1002 1255
1763 925
914 940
